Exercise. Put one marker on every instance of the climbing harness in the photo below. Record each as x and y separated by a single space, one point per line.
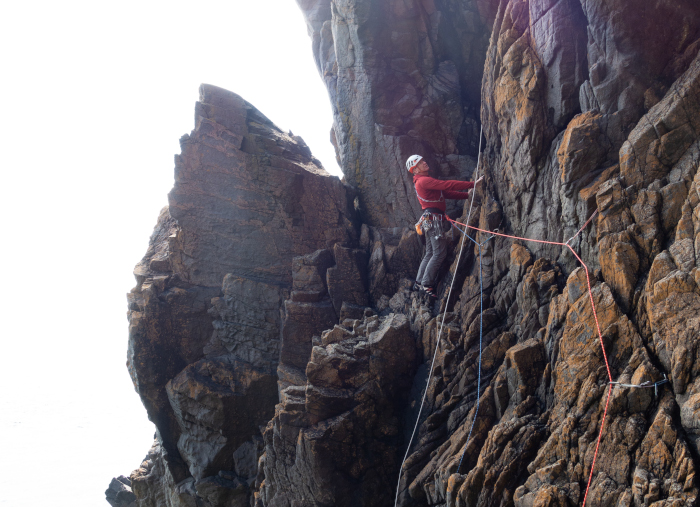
429 220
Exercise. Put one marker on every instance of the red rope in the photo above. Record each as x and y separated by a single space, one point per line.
597 445
505 235
595 316
582 228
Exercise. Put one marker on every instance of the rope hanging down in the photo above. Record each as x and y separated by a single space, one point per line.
442 323
481 337
611 383
595 315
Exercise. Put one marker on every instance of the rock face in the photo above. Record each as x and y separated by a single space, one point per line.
274 338
403 77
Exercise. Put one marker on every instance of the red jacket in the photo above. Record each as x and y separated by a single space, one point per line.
432 193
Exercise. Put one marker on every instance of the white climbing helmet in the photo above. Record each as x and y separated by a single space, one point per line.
413 162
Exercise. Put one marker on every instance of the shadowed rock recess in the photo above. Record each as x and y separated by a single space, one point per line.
273 336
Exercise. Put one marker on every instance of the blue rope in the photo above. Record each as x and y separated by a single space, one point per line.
481 337
648 384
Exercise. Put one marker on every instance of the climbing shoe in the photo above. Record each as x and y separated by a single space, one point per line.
430 291
417 287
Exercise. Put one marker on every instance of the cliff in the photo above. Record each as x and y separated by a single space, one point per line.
274 339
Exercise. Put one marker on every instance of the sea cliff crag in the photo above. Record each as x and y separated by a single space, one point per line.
274 337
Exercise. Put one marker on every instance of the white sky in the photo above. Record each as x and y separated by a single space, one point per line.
95 97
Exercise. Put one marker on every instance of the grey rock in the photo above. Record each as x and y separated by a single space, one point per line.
341 428
119 493
219 403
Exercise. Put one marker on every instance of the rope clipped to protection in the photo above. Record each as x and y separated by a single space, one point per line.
464 229
611 383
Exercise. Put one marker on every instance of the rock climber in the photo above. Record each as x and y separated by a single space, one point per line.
431 194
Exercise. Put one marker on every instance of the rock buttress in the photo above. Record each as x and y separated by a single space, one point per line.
205 316
553 156
586 105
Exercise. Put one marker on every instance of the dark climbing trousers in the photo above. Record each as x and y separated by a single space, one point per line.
435 253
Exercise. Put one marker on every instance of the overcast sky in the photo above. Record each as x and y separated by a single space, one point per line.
95 97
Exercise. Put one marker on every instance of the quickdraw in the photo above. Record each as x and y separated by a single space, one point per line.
426 222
